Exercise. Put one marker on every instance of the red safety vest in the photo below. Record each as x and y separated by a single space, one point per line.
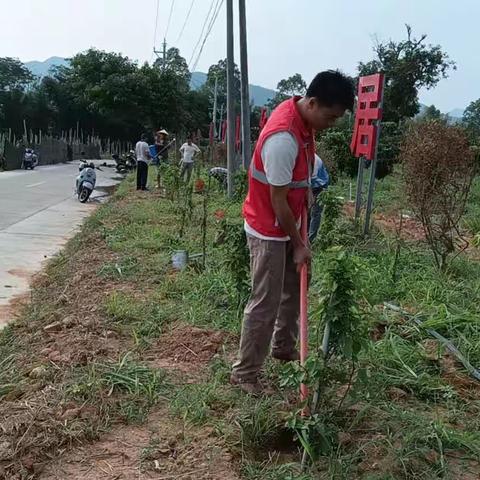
257 208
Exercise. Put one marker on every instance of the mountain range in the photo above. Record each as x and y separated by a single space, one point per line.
259 96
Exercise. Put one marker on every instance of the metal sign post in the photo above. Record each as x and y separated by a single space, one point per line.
371 186
358 196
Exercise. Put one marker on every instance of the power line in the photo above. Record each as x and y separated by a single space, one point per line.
212 23
185 22
169 18
201 33
155 31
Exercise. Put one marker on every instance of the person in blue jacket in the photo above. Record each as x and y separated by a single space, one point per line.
319 182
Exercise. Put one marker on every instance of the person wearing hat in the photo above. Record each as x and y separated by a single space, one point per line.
161 151
161 142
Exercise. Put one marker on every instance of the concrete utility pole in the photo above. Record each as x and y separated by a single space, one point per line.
245 96
230 101
164 54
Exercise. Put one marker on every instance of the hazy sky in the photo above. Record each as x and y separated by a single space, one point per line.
284 36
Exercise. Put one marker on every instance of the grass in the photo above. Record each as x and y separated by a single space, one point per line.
142 298
137 387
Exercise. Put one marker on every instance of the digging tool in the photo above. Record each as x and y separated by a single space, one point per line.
303 310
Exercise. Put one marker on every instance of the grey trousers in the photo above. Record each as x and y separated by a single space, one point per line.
273 307
186 172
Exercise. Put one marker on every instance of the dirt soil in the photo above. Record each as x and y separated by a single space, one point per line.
44 436
186 349
411 229
161 449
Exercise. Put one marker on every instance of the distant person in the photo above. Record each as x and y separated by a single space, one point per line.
319 182
143 158
34 158
161 148
188 151
220 174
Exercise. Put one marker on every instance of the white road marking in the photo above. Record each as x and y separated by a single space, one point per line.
36 184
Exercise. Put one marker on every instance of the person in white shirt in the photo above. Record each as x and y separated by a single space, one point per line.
142 153
188 150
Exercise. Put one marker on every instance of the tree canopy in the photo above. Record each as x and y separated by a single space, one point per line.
286 88
408 65
471 118
103 92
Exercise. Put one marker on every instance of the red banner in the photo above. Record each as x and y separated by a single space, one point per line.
210 135
224 130
237 133
263 118
368 114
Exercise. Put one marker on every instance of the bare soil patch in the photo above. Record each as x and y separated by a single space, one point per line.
161 449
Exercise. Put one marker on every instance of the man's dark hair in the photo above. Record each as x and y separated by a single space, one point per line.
331 88
143 137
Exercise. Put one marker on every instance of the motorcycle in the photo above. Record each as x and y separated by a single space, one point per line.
120 163
131 160
124 165
86 179
30 159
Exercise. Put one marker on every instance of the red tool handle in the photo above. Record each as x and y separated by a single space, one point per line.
304 308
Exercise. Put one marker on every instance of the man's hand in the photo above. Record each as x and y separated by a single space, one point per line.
301 255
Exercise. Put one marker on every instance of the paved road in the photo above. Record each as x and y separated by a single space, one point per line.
38 214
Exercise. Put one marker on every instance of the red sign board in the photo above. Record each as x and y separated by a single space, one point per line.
368 114
263 118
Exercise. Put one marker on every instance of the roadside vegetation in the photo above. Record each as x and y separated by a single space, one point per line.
122 340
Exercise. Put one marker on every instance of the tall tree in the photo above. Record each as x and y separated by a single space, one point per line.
13 74
174 63
432 113
408 65
286 88
219 71
471 118
14 79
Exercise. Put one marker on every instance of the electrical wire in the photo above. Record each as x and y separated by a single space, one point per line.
156 25
169 18
212 23
185 22
201 33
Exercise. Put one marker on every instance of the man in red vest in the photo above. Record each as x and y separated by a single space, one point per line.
278 191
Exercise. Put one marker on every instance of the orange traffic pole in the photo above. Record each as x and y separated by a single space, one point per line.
304 309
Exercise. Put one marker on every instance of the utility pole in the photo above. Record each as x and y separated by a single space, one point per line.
163 52
214 114
230 102
245 96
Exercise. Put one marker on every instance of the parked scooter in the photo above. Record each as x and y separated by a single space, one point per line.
86 180
30 159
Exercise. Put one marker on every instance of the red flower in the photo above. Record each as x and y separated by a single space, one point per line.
219 214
